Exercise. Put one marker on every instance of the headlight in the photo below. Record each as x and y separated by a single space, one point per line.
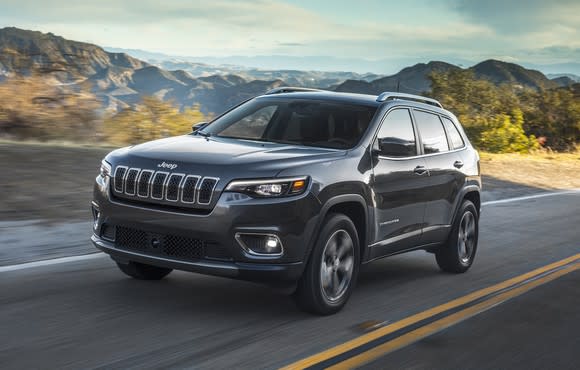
105 169
268 188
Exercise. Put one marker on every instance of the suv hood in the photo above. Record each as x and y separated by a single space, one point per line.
191 151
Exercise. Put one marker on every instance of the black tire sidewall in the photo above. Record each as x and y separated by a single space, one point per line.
309 291
448 256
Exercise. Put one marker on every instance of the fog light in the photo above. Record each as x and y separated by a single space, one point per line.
266 245
96 214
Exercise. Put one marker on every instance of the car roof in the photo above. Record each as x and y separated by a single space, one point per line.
350 98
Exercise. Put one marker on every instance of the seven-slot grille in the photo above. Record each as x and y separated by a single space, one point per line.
160 186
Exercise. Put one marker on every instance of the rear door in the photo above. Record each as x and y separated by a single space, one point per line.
399 184
446 179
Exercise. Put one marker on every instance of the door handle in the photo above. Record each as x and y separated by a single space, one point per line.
458 164
420 170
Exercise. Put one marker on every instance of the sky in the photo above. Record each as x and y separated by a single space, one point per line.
458 31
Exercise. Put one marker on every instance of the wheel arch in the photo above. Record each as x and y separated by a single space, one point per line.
354 207
471 193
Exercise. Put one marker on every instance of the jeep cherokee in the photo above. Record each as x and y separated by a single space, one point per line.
297 188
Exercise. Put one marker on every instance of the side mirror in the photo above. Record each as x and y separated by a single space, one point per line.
395 147
198 126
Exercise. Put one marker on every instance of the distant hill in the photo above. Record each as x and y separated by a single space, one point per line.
563 81
409 80
120 80
500 72
571 76
22 52
415 79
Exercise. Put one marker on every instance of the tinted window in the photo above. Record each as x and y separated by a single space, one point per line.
302 122
432 132
253 125
396 136
454 135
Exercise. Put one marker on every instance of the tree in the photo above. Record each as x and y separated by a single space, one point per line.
36 107
149 120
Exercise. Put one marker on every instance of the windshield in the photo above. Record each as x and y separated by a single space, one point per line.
300 122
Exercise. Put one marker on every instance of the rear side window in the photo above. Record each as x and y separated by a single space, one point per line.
454 135
432 132
397 135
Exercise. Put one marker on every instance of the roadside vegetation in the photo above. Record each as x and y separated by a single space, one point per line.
498 119
510 118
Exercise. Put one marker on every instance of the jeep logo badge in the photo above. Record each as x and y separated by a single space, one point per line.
170 166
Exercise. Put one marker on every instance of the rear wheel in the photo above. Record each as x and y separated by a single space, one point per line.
458 253
332 269
142 271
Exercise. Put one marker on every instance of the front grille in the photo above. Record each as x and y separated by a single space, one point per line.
144 180
167 245
158 185
188 191
120 178
131 181
171 189
206 190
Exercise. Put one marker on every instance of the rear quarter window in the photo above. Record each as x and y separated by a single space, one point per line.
454 135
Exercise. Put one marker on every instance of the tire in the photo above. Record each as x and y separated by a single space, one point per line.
332 269
141 271
458 253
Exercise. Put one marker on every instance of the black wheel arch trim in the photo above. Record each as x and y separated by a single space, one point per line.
461 195
337 200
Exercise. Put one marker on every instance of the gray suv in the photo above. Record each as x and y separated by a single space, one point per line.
296 188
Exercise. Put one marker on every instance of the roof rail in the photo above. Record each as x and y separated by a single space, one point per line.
280 90
395 95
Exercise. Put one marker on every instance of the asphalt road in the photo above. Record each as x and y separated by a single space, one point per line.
86 314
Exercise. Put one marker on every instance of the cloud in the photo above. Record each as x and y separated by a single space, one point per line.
464 29
509 17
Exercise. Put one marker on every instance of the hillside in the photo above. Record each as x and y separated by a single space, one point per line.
410 80
120 80
415 79
500 72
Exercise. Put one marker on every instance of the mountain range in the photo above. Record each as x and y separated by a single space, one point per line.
121 80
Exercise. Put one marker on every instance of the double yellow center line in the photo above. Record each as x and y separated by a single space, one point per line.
375 344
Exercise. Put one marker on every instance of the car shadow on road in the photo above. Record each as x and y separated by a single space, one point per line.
192 293
494 189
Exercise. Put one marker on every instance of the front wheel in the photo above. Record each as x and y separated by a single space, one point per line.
458 253
332 269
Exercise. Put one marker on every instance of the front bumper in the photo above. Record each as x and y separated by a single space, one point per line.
293 220
260 272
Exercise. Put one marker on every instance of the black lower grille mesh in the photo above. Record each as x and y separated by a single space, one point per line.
131 238
159 244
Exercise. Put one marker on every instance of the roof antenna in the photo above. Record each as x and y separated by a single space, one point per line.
398 85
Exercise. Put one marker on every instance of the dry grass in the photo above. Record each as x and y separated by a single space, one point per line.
541 170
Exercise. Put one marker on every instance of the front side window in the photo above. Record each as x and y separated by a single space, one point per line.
396 137
431 132
317 123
